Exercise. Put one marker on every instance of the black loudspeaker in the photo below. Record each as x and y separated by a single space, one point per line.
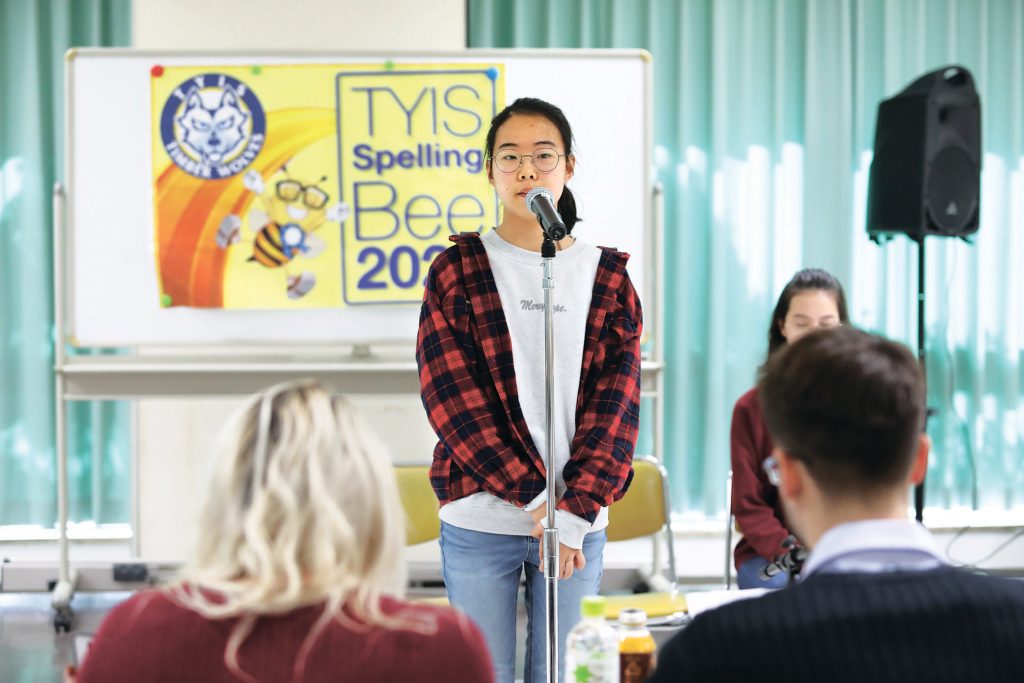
926 173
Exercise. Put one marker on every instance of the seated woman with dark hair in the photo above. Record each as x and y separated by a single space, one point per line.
813 298
298 567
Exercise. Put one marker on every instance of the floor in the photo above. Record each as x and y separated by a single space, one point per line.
30 650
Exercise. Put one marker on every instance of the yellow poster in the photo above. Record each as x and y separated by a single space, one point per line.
315 186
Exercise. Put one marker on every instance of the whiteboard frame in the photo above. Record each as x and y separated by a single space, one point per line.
212 369
224 326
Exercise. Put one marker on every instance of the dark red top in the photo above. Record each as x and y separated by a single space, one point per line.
152 638
755 501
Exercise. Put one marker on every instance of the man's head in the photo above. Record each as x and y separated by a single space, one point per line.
846 412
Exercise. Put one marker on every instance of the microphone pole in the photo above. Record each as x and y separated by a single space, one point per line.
550 545
541 202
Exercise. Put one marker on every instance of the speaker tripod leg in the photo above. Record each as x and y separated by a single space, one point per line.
919 489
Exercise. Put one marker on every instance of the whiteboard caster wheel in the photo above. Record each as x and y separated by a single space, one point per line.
62 620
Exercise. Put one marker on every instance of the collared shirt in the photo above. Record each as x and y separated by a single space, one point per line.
874 546
468 386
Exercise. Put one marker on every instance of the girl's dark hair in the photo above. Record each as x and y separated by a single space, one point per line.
532 105
804 280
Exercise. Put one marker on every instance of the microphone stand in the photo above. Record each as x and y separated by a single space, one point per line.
791 561
550 544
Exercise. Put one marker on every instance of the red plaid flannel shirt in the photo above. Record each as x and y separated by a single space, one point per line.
468 387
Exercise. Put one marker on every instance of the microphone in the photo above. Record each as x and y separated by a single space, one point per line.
541 202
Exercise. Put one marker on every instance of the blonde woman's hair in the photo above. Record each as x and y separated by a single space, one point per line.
303 508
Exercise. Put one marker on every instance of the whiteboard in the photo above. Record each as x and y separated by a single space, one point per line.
110 294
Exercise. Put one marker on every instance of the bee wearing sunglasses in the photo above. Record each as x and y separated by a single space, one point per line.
283 230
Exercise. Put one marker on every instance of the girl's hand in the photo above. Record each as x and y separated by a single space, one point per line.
569 559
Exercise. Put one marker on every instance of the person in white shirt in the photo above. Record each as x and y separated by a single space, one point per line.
480 353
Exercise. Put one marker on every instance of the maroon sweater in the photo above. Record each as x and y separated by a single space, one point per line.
755 502
149 637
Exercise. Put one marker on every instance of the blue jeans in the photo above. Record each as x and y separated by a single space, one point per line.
749 575
481 572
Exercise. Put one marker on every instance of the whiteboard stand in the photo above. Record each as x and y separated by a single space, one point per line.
65 587
150 371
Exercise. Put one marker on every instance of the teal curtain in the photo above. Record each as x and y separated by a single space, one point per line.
764 114
34 35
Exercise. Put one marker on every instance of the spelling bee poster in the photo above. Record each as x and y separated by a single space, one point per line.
315 186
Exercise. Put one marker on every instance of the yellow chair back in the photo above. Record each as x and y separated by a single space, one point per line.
642 511
422 523
645 511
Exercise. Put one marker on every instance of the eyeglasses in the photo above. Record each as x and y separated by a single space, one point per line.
293 190
544 160
771 468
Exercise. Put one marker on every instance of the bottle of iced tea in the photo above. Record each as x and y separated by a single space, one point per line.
636 647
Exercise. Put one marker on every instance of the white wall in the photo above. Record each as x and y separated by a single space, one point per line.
176 436
336 25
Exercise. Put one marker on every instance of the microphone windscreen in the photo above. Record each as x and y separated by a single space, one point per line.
532 195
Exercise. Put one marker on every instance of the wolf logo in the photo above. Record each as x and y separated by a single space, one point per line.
213 123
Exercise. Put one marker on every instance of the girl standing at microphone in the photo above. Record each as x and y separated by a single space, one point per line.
480 352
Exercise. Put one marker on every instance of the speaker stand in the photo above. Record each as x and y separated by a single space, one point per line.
919 489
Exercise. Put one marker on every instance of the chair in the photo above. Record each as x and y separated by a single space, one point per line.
422 522
730 522
646 510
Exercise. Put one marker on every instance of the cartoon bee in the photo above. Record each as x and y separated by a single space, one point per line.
284 229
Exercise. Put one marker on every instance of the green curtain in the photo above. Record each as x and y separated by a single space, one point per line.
34 35
764 114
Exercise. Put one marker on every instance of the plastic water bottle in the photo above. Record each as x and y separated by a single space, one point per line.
636 646
592 646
